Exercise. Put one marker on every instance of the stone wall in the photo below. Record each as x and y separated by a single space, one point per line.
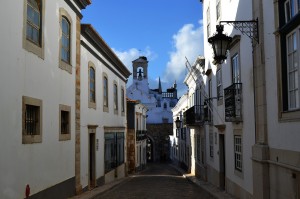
159 134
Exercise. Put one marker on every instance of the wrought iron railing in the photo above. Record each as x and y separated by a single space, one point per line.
197 115
233 103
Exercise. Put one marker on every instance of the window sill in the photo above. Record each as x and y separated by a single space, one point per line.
64 137
65 66
92 105
105 109
33 48
31 139
290 116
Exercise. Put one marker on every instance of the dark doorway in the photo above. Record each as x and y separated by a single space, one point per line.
92 167
222 160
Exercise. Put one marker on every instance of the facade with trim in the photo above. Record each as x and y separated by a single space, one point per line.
53 136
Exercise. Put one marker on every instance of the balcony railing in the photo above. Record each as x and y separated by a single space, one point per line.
196 115
141 135
233 103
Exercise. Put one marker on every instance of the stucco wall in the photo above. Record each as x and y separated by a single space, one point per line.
25 74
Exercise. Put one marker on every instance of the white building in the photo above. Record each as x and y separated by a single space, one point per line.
37 103
103 80
222 99
181 150
266 139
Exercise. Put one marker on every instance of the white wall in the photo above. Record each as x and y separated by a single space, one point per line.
24 74
239 10
90 116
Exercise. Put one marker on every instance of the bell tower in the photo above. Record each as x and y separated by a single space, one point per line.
140 68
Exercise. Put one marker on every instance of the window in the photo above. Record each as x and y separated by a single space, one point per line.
289 38
105 93
33 32
165 105
211 145
65 40
122 101
65 122
65 22
219 85
115 98
32 120
92 86
208 21
218 9
292 70
235 69
238 162
292 7
114 150
33 27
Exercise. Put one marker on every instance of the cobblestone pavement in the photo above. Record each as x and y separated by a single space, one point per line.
157 181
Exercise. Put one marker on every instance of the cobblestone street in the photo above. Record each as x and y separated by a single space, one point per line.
156 181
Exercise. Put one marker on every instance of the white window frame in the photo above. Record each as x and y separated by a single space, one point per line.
238 153
235 68
293 54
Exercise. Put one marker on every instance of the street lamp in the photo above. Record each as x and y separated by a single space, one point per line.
220 44
178 123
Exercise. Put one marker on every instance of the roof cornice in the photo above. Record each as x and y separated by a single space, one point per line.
82 4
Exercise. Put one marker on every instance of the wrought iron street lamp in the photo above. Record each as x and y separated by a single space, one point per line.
220 42
178 123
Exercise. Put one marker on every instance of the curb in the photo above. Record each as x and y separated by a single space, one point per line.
213 191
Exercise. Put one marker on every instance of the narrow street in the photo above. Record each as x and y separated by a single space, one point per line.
156 181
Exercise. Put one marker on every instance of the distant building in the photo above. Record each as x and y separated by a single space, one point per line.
159 104
136 136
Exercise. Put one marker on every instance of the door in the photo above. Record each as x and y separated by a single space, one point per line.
222 160
92 161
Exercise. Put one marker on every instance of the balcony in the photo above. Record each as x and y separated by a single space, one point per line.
196 115
141 135
233 103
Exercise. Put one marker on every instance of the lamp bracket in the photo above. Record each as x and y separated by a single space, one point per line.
249 28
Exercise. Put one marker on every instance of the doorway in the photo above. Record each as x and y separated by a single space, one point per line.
222 160
92 161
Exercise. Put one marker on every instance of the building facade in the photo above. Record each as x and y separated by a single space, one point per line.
136 136
38 60
264 74
103 80
59 131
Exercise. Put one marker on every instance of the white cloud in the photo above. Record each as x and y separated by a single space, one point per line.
129 55
187 42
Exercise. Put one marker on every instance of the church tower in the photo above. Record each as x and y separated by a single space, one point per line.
140 68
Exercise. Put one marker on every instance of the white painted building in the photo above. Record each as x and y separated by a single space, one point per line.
37 103
180 141
103 121
224 95
276 153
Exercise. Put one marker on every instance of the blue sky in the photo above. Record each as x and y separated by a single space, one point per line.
164 31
